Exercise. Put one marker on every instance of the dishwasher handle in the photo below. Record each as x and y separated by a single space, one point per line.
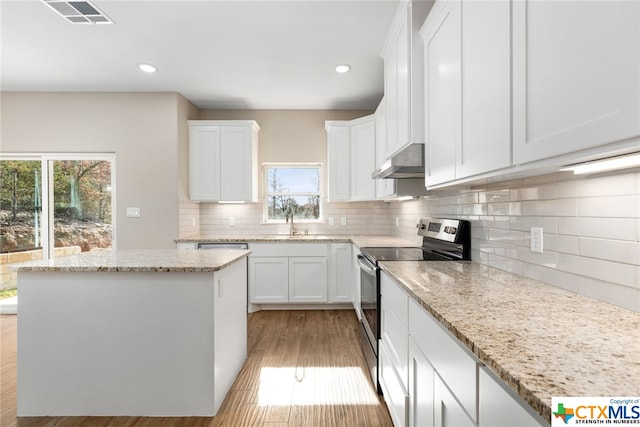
222 245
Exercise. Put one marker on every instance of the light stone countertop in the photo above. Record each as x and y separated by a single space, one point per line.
359 240
540 340
139 260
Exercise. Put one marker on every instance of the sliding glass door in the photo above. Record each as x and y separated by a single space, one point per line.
56 205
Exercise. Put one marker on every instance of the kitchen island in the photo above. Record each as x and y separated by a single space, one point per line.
144 332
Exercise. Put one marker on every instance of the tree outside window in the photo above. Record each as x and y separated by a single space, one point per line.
292 190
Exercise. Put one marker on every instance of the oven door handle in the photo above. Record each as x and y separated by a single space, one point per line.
366 266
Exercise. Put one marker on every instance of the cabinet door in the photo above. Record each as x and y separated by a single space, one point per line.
363 160
340 275
486 88
338 163
421 375
268 279
236 166
442 41
391 99
447 411
204 163
499 407
404 84
308 279
575 71
384 187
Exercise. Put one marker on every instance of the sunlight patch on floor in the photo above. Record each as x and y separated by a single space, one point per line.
315 386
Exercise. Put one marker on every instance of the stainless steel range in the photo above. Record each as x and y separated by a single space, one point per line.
442 240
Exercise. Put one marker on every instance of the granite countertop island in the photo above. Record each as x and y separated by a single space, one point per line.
139 260
135 332
540 340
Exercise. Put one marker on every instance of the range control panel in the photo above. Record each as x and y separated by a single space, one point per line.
448 230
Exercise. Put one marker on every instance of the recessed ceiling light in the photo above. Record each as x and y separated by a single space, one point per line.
147 68
342 68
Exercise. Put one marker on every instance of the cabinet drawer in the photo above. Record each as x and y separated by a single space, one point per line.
456 366
288 249
395 394
396 339
395 299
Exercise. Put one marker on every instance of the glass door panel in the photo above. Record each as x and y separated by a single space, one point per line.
20 205
81 206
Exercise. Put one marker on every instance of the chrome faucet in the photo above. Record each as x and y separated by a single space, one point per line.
292 228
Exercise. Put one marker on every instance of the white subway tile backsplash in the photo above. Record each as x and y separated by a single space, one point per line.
555 277
505 209
539 192
614 272
524 223
621 296
494 196
559 243
610 207
547 258
560 207
604 228
595 186
507 236
611 250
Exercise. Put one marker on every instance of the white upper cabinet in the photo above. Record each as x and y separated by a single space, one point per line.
383 187
442 36
486 88
351 159
576 69
223 160
363 159
338 161
467 89
403 88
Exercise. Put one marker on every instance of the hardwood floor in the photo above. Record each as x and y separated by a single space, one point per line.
304 368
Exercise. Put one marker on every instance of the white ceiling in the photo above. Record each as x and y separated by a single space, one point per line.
218 54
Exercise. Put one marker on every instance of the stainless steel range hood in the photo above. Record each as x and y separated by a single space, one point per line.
407 162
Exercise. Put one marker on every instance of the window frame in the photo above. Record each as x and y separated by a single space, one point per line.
266 193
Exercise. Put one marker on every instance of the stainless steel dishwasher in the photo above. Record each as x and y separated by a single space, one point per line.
223 245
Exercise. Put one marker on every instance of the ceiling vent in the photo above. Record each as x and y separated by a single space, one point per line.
78 12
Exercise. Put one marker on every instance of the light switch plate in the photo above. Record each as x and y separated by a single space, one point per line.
133 212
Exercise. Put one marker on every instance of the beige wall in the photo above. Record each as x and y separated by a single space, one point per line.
146 132
289 135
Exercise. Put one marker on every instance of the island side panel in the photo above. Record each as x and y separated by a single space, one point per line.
230 326
116 343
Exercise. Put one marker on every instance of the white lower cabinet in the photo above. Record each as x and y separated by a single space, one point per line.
496 401
288 273
447 411
421 376
394 348
268 280
395 394
340 273
308 279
